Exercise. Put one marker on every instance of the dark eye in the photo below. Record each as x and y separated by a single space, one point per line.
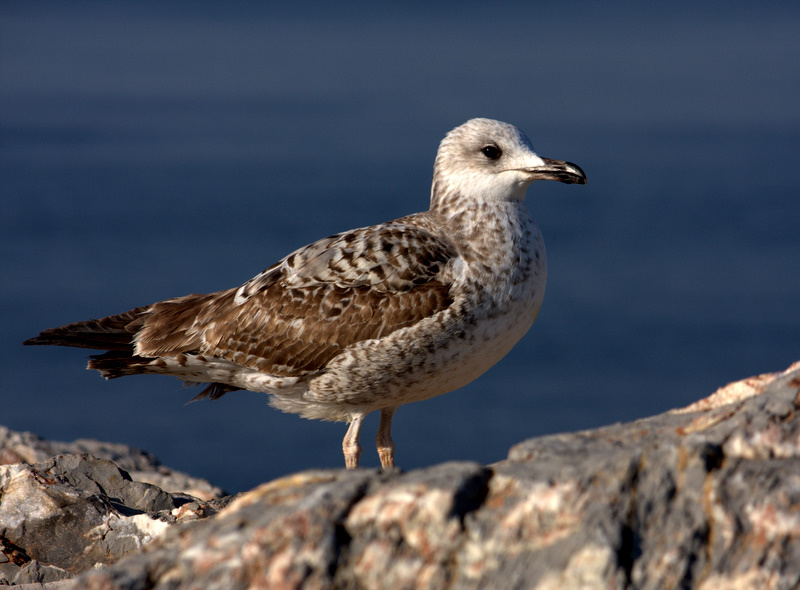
492 152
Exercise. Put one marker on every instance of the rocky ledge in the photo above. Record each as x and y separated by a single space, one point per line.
706 496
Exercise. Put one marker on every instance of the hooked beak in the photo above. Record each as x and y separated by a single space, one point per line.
566 172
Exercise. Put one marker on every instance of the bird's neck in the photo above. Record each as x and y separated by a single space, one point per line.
499 233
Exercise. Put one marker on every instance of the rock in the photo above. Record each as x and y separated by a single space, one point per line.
703 497
34 572
142 466
70 513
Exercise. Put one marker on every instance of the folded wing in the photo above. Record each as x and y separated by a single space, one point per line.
294 317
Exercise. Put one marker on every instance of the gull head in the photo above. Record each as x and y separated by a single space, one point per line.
490 160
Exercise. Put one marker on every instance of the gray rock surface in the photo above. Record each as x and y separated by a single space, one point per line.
142 466
73 512
702 497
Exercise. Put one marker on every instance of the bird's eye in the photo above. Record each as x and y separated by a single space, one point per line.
492 152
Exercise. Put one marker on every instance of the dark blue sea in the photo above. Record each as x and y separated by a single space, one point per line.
154 149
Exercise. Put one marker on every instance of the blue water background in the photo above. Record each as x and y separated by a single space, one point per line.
152 149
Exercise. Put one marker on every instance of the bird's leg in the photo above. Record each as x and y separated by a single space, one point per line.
384 438
350 446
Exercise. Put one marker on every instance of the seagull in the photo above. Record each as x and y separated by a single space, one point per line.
368 319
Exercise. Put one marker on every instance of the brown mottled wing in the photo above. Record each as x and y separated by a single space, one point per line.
300 313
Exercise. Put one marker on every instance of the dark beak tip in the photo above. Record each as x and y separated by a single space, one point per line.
580 175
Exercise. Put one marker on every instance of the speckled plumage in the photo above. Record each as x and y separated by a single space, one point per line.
368 319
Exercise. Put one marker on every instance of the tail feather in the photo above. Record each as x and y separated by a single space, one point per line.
114 364
115 335
110 333
119 363
212 391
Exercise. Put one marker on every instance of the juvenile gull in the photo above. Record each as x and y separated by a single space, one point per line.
368 319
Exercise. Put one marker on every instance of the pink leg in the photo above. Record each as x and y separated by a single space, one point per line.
350 446
384 438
